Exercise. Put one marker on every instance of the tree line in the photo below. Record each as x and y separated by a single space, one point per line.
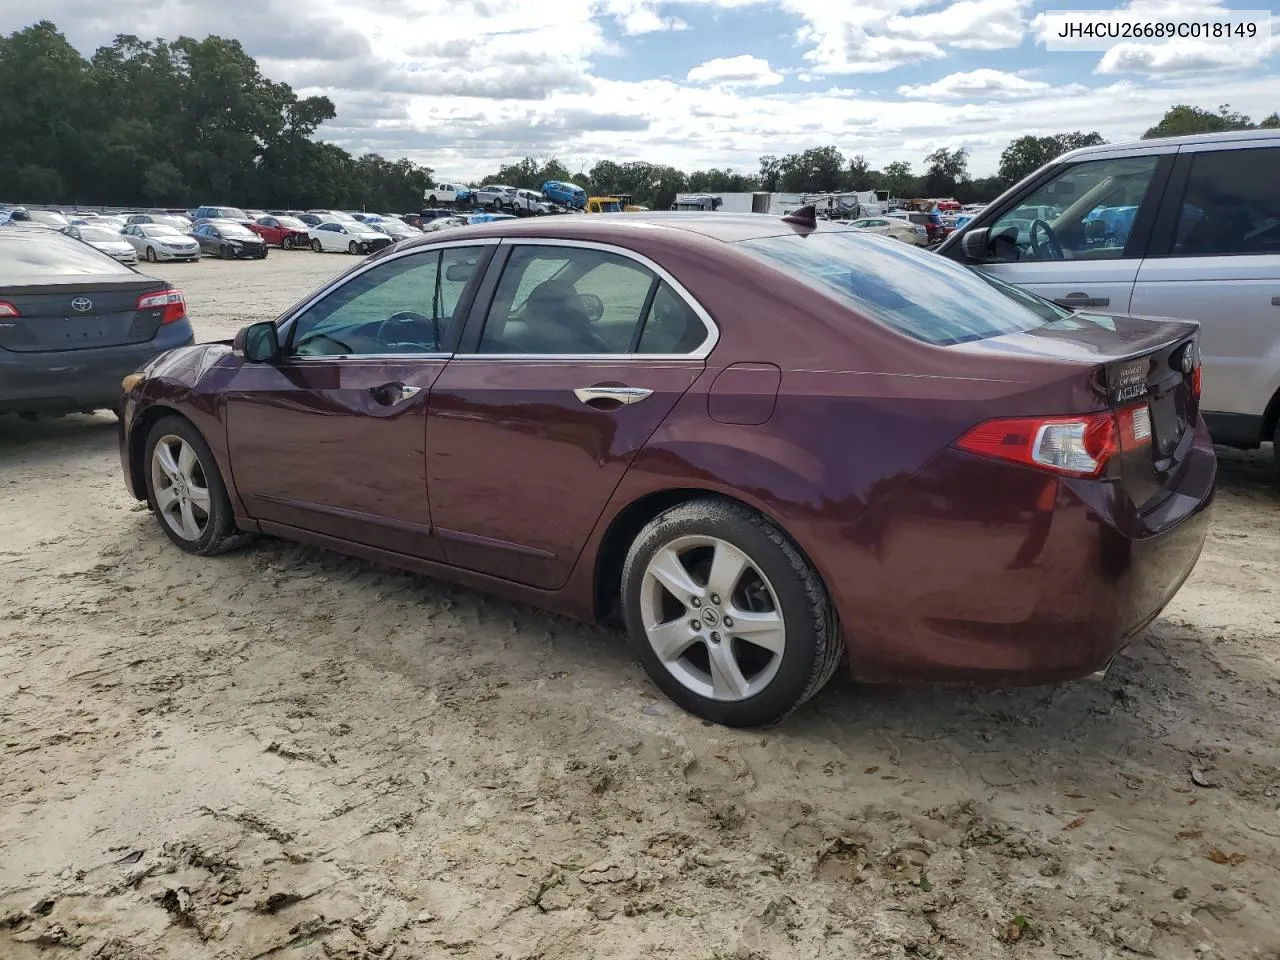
186 122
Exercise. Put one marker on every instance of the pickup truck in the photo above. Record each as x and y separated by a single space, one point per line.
446 193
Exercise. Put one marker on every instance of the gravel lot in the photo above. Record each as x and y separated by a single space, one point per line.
286 753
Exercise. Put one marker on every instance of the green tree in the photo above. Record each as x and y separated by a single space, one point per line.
944 170
897 178
859 174
1181 120
1028 154
816 170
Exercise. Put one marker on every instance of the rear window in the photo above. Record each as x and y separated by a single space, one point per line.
921 295
35 258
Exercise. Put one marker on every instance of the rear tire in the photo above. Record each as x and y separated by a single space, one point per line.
317 246
1275 445
431 199
764 678
151 255
196 513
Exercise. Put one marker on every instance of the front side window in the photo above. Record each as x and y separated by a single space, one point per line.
401 306
920 295
1085 212
1231 204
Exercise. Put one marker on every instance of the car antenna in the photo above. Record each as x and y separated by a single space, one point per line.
806 216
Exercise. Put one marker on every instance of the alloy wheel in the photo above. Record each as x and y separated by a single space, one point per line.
712 618
181 489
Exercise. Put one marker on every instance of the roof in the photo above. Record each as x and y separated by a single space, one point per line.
617 227
1226 136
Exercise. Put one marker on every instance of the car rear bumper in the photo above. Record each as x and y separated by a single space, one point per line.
977 571
66 381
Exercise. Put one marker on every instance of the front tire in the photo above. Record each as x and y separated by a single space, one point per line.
185 489
224 252
317 246
286 243
151 255
726 615
431 199
353 247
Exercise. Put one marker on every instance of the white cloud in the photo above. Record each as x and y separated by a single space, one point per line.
968 24
983 84
741 71
1179 57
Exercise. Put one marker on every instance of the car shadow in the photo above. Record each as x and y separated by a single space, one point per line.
50 438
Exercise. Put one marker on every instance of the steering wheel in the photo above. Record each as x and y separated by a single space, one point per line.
593 305
1046 247
342 347
385 336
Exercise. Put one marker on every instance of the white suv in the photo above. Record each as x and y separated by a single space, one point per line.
1187 227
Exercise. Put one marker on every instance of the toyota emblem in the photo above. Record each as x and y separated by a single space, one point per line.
82 304
1188 360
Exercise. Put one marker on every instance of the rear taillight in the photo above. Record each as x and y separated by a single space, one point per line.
171 302
7 309
1072 446
1195 381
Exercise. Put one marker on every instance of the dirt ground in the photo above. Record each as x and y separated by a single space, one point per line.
286 753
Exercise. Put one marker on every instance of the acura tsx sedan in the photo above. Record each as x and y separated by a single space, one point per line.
767 444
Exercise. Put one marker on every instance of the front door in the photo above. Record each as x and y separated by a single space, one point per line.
1069 240
583 353
331 438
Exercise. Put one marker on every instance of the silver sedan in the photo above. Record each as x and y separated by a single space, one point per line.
105 239
159 241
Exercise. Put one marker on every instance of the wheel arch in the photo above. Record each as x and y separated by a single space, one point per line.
627 523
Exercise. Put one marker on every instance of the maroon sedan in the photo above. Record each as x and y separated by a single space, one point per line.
766 443
288 233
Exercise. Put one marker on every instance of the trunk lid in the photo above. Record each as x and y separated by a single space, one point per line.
79 314
1146 372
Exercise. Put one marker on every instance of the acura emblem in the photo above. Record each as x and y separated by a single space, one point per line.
82 304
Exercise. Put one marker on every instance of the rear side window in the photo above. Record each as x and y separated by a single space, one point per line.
1231 204
33 258
921 295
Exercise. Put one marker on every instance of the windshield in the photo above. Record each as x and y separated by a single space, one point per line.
918 294
233 231
160 230
291 223
611 207
100 235
230 213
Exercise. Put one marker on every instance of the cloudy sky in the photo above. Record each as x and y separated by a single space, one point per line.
464 85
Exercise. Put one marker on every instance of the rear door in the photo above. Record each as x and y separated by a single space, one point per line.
57 293
1215 258
1087 253
572 358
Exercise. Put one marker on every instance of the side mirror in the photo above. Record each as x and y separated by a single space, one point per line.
975 245
259 342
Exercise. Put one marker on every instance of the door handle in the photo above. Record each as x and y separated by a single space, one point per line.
389 394
1082 300
1275 301
620 395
